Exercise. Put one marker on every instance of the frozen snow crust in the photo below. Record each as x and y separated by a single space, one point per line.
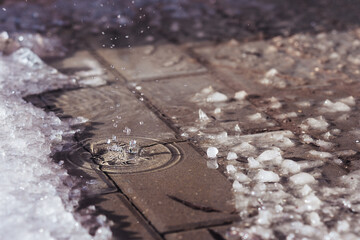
35 202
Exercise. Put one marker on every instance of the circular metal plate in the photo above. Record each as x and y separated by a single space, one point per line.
127 155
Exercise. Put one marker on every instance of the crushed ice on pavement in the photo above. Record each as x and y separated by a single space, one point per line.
38 198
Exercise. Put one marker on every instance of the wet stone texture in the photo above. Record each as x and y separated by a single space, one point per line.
278 97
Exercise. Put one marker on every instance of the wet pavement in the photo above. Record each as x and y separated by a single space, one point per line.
215 75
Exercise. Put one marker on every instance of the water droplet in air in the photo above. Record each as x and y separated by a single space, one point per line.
4 9
141 123
21 38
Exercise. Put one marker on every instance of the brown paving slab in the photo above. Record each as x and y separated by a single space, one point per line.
181 98
85 68
94 181
215 233
201 234
150 62
127 223
110 110
185 196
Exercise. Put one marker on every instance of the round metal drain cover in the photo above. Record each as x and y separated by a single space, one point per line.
128 155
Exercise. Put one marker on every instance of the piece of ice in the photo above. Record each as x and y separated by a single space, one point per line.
202 116
318 123
237 186
270 155
217 97
302 179
230 169
266 176
305 190
314 219
290 166
350 101
253 163
231 156
237 128
241 95
320 154
217 111
241 177
330 106
212 152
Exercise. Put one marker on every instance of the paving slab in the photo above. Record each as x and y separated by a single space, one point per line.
127 223
215 233
112 111
185 196
182 98
83 66
151 62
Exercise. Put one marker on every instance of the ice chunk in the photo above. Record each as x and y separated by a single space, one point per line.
266 176
305 190
312 202
350 101
239 176
244 147
241 95
237 186
320 154
231 156
290 166
217 111
202 116
270 155
253 163
230 169
314 219
212 152
330 106
217 97
302 179
342 226
237 128
264 217
318 123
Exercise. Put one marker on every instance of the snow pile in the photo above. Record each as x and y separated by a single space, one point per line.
35 202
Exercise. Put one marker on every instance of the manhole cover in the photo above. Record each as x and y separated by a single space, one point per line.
128 155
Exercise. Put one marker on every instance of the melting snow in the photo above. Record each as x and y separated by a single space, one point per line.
35 202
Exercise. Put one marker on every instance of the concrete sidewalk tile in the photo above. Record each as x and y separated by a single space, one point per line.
184 196
151 62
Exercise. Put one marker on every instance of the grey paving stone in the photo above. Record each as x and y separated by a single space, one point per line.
185 196
151 62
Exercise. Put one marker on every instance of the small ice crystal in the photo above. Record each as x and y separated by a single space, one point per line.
237 128
132 146
212 152
127 131
267 176
231 156
202 116
217 97
240 95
